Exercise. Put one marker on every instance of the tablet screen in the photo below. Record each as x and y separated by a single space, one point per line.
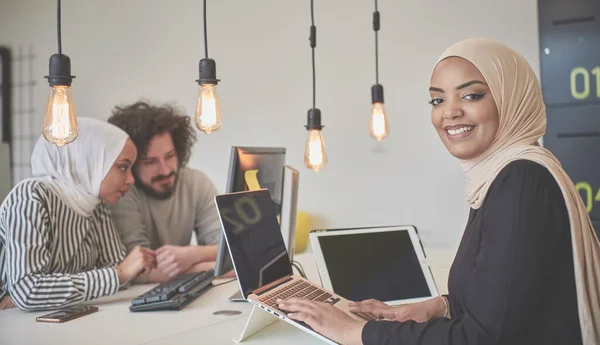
379 265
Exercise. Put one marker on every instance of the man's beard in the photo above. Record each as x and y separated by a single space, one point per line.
165 193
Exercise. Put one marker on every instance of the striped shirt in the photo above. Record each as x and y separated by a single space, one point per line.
51 256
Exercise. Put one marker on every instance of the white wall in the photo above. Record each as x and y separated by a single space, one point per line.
123 50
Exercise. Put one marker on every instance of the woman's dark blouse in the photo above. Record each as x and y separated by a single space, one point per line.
512 281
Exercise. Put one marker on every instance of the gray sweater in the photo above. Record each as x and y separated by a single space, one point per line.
148 222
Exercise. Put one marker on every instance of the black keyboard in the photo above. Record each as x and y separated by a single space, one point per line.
174 294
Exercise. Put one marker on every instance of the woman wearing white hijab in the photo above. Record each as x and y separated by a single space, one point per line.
58 245
527 270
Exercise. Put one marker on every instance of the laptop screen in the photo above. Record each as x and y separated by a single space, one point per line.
254 238
383 265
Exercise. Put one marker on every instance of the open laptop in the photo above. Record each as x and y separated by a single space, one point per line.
287 226
261 261
386 263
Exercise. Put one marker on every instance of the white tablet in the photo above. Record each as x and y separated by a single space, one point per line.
384 263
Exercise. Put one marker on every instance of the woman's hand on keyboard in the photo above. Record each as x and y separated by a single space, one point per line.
138 261
325 319
419 312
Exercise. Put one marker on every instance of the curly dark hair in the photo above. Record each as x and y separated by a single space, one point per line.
143 121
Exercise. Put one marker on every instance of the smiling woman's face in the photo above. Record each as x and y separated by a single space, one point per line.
463 110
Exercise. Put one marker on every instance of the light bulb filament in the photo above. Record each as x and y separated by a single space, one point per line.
315 156
60 122
208 109
378 124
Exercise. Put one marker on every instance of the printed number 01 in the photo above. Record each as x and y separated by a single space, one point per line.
589 195
576 92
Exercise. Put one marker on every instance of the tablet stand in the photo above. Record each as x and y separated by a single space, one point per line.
257 320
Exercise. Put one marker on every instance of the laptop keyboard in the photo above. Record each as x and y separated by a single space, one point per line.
299 288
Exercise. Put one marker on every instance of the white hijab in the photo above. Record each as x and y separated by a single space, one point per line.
76 170
522 116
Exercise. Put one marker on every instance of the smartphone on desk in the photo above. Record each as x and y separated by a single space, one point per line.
66 314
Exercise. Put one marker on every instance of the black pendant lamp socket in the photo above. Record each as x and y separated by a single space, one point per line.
378 124
315 156
60 122
208 109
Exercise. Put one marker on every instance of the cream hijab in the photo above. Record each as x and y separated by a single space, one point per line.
522 122
76 170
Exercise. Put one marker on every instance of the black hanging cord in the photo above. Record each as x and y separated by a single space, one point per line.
313 120
299 268
313 44
205 36
59 64
376 26
59 39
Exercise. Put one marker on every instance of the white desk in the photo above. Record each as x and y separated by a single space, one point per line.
195 324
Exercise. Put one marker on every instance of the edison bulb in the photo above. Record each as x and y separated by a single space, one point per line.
208 109
60 122
378 124
315 157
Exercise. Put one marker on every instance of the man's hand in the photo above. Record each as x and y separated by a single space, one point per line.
202 266
174 260
138 261
325 319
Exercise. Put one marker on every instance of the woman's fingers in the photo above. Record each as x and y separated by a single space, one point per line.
296 304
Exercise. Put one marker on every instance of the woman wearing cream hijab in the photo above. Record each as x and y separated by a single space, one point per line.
58 245
527 270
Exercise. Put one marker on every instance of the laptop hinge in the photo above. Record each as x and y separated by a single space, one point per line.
272 285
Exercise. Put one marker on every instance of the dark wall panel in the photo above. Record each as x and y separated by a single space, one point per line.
570 78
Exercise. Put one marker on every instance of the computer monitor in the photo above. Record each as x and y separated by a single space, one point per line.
252 168
289 204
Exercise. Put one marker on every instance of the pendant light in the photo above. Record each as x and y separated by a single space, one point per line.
208 109
315 156
60 123
378 124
